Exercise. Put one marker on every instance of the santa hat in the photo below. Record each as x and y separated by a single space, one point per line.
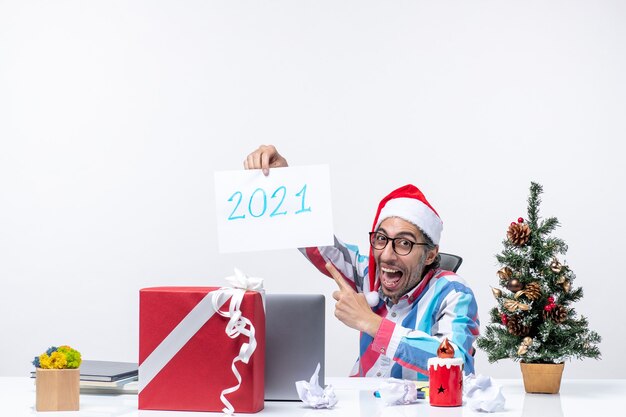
410 204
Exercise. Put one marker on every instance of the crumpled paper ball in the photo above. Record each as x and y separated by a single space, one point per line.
313 395
482 394
398 391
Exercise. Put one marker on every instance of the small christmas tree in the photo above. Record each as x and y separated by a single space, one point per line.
533 321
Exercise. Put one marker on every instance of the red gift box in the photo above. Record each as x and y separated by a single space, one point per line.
185 356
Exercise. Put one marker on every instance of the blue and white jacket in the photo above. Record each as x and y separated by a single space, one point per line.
440 306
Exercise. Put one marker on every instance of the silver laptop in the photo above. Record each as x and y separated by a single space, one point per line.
294 342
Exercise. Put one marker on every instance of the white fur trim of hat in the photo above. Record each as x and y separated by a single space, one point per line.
416 212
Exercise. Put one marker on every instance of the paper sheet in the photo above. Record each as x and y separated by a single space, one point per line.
290 208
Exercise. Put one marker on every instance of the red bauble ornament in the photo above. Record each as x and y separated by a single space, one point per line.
513 223
550 300
548 307
504 318
520 220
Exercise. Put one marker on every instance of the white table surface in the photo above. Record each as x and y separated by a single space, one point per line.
577 398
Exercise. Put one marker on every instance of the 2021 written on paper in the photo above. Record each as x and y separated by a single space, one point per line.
289 208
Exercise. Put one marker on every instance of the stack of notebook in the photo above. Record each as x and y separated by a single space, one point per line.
106 377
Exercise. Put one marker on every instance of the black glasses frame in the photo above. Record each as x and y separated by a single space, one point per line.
393 242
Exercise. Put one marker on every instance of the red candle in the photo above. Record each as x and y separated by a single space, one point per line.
446 377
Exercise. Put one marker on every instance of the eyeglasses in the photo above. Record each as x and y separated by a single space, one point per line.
400 245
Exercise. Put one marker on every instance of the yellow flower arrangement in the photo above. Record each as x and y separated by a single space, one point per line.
62 357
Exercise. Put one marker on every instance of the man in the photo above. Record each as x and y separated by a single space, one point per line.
403 304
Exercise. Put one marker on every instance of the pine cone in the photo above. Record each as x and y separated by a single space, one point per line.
557 314
531 291
516 327
518 233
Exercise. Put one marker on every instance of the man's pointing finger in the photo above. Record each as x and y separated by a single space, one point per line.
341 282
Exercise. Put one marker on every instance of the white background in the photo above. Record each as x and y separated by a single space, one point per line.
115 114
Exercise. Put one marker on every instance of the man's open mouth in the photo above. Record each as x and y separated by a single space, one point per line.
390 278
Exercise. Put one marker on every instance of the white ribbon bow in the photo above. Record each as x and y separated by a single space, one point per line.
237 324
242 281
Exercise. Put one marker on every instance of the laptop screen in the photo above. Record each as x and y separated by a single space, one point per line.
294 342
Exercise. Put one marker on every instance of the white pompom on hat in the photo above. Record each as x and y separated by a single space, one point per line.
410 204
